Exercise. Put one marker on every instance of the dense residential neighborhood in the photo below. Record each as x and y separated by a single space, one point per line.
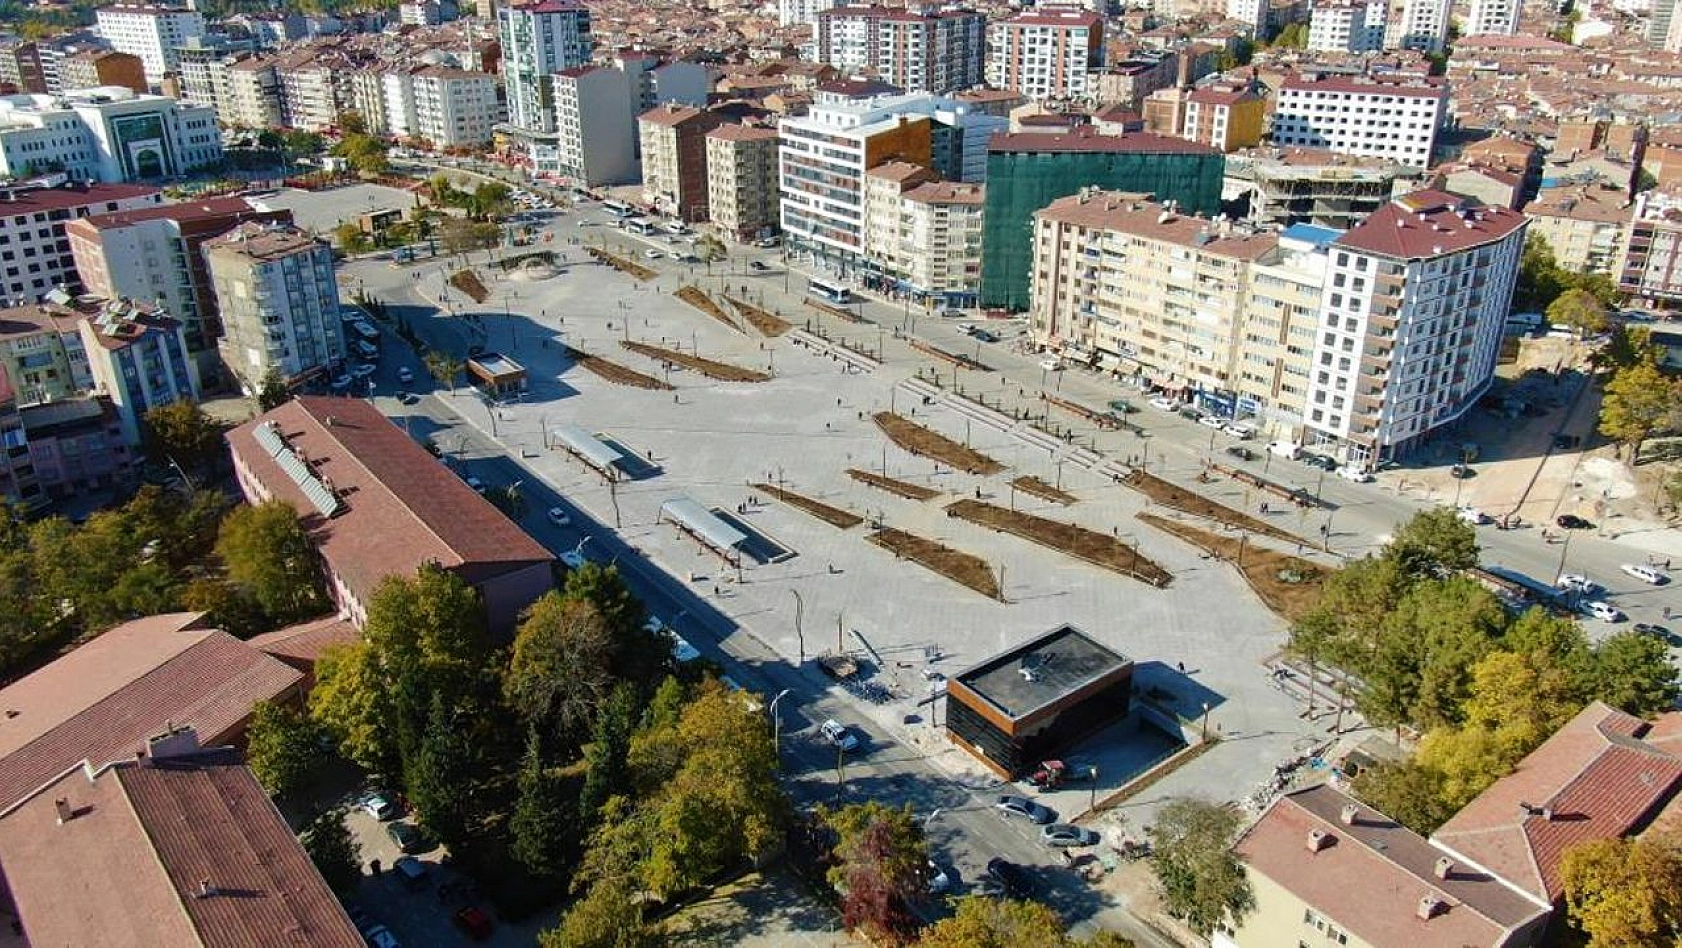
588 473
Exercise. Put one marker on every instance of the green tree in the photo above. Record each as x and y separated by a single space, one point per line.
181 432
1626 892
1293 36
879 866
351 238
335 852
1434 542
1407 792
228 607
443 368
1633 672
350 700
606 771
1540 279
440 774
1629 346
611 876
298 142
639 654
710 249
558 674
273 392
1202 882
1578 311
542 827
1419 672
267 553
350 122
981 922
507 499
1636 401
282 747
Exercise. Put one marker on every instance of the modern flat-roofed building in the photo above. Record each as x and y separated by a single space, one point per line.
106 134
1417 24
1394 118
278 299
1226 116
1494 17
20 67
538 41
35 252
1030 703
149 31
596 129
377 504
41 352
1651 269
93 68
1345 26
937 51
76 446
1047 52
742 180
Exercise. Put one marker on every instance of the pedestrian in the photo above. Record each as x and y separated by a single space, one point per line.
1264 507
1667 562
374 867
1181 666
715 590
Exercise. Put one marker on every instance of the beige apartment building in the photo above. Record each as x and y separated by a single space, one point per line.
922 235
742 180
248 93
674 159
1586 227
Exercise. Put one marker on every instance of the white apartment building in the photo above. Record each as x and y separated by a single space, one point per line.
35 254
1586 226
796 12
1414 305
936 51
1493 17
595 128
150 32
137 357
940 231
742 181
1253 14
538 41
105 134
248 93
447 107
1417 24
825 154
1346 26
1393 118
279 301
1047 53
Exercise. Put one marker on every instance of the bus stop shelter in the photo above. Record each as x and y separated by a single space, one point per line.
700 523
601 458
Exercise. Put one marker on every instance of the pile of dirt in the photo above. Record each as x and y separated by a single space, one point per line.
468 282
614 372
834 516
1029 484
621 264
893 486
965 569
921 441
1289 585
768 324
1197 505
722 371
694 296
1089 545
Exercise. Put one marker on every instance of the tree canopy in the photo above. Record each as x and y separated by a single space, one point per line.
559 672
879 867
267 553
282 747
982 922
1578 310
1202 881
335 852
181 432
1637 402
1626 892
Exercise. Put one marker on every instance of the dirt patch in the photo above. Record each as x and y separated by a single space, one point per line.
616 373
1289 585
834 516
892 486
965 569
921 441
622 264
468 282
701 301
767 324
1197 505
1079 542
1033 485
840 312
722 371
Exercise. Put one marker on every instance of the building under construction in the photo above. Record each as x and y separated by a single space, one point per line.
1300 186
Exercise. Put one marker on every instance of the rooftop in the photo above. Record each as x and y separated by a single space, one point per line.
742 133
947 192
206 209
1399 85
263 242
300 645
26 199
670 114
1041 671
1056 16
1428 224
1596 203
1087 139
1138 215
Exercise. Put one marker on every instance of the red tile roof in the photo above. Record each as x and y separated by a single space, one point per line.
103 700
1594 779
1408 86
401 507
1369 876
29 200
1084 138
208 209
1430 223
300 645
742 133
1137 214
1055 16
129 868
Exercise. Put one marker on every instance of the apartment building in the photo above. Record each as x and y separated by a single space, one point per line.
150 32
1346 26
446 107
1417 24
93 68
1651 269
279 303
1311 186
935 51
1128 82
314 88
595 127
1494 17
1415 302
674 159
1395 118
106 134
1046 53
1225 116
539 40
742 181
137 356
657 81
419 13
35 251
941 226
41 351
825 154
1585 226
796 12
73 447
53 50
20 67
247 91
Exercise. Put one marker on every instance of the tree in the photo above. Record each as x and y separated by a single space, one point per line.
639 654
610 913
440 774
273 393
1540 279
1578 311
335 852
282 747
710 249
542 827
350 122
1418 672
606 771
981 922
1407 792
879 867
181 432
444 369
350 700
1637 400
228 607
558 674
298 142
268 554
1626 892
351 238
1435 542
1628 347
1633 672
1202 882
1293 36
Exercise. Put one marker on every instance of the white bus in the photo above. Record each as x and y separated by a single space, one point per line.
834 293
618 208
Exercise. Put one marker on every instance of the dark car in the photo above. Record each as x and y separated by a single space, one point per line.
1240 452
1016 881
1656 631
1572 522
408 837
1320 461
757 266
474 922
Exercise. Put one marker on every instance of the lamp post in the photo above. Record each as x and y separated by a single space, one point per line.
578 550
799 613
777 723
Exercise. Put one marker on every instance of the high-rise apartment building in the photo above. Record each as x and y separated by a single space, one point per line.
1047 53
20 67
106 134
93 68
1417 24
35 252
1494 17
1585 226
742 181
248 93
539 40
595 127
279 303
149 31
1395 118
796 12
1224 116
446 107
1346 26
137 357
922 235
937 51
1651 269
674 159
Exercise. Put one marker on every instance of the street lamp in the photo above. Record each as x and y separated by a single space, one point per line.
579 549
799 612
777 723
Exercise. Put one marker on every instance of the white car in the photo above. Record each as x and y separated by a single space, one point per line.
652 254
1212 421
1165 403
378 807
1359 475
572 559
559 517
1472 515
1604 611
1051 365
364 370
475 483
838 736
1647 574
1240 431
1577 582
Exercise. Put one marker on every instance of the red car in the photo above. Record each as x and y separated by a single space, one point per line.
475 923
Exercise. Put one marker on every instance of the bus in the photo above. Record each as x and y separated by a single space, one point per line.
618 208
834 293
640 228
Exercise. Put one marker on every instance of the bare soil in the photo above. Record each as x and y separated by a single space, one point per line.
1197 505
722 371
621 264
616 373
893 486
921 441
965 569
1264 569
694 296
767 324
468 282
834 516
1079 542
1029 484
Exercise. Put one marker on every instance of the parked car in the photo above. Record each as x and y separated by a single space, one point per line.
405 375
1240 452
1051 364
559 517
1068 834
757 266
1284 449
474 922
1212 421
1577 582
837 734
1016 881
381 937
1602 610
940 882
1022 806
1656 631
364 370
475 483
1359 475
1165 403
1572 522
652 254
1123 406
408 837
1240 431
572 559
1320 461
410 871
1645 573
378 807
1472 515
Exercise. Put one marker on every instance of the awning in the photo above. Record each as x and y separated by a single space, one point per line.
587 446
701 522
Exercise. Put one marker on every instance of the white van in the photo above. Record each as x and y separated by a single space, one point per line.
1289 450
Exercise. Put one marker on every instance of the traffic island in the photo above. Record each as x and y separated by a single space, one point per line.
622 264
722 371
921 441
1029 484
767 324
891 485
1096 548
1197 505
468 282
614 372
834 516
965 569
1289 585
694 296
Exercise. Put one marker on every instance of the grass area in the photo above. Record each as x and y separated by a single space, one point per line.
468 282
922 441
1029 484
1089 545
616 373
722 371
701 301
1289 585
1197 505
621 264
965 569
834 516
767 324
892 486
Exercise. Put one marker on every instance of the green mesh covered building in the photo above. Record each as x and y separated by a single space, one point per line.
1028 170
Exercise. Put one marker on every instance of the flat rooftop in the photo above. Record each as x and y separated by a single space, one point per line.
1041 671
